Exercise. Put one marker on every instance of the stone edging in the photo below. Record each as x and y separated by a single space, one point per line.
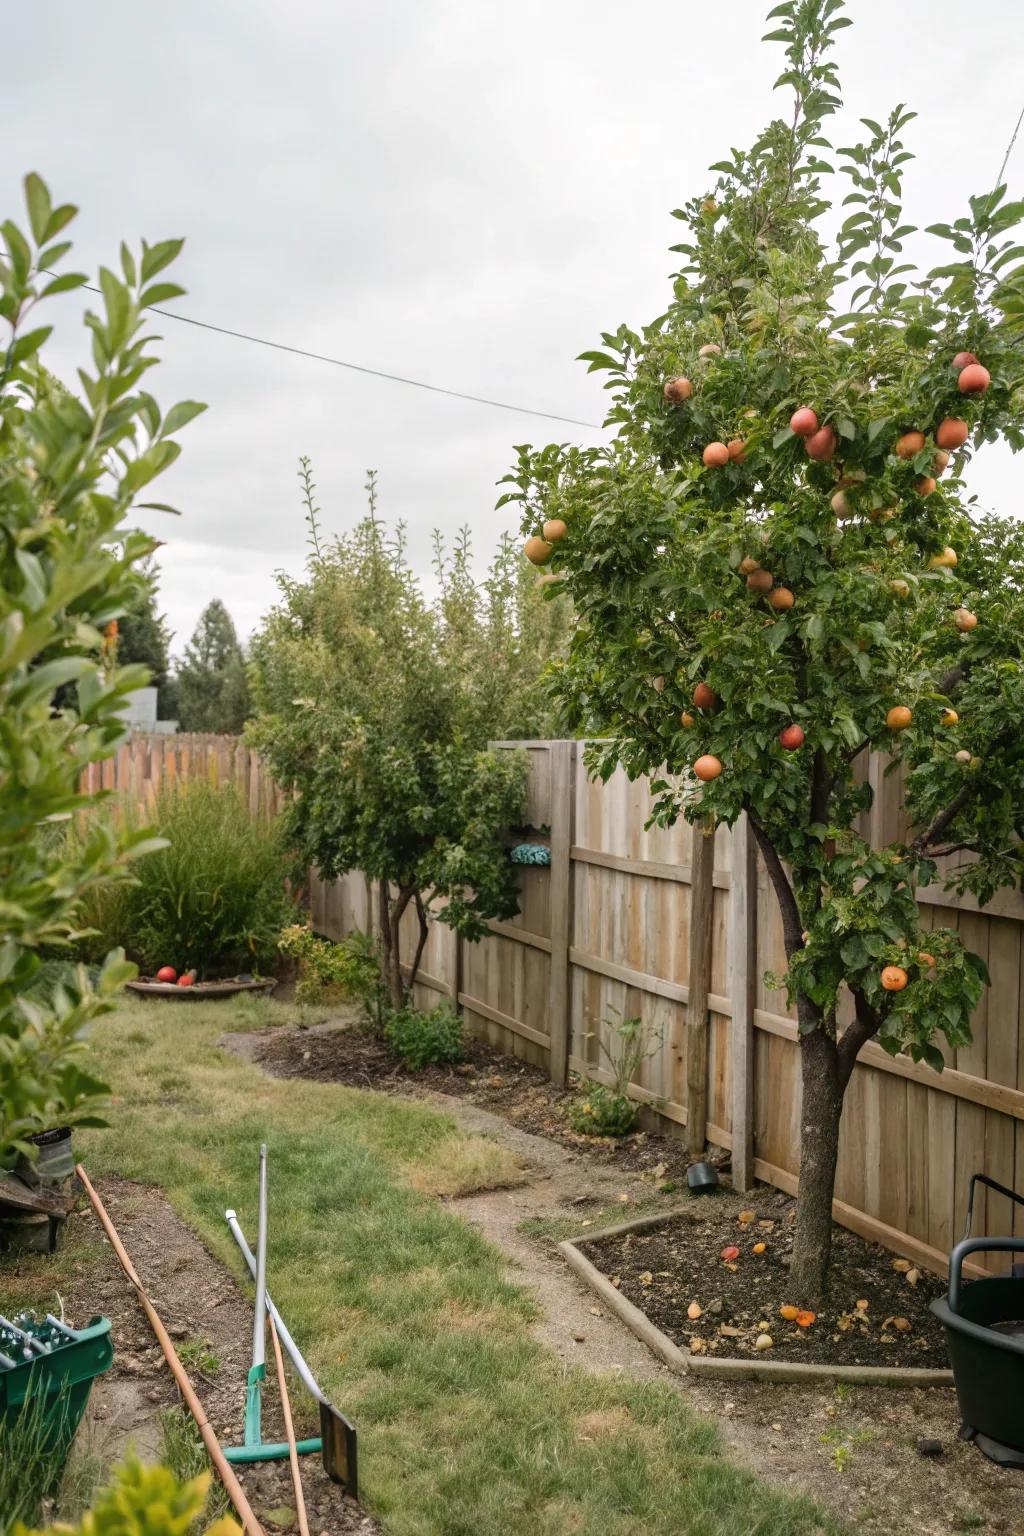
682 1361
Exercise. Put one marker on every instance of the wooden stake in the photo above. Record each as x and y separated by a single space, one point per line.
702 896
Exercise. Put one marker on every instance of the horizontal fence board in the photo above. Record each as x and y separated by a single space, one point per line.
680 873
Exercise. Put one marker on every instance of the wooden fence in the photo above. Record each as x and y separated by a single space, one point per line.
607 932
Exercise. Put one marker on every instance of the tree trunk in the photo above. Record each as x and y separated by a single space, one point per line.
390 965
820 1112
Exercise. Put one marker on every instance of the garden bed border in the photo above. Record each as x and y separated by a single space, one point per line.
683 1362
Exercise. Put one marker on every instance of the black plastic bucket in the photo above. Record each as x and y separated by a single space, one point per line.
984 1325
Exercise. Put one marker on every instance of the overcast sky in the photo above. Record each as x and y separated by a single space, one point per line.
463 191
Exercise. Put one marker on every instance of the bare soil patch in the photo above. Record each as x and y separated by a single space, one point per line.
874 1314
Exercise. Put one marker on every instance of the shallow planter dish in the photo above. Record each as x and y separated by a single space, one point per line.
199 991
682 1360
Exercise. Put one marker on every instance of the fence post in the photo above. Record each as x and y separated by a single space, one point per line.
742 985
563 816
702 904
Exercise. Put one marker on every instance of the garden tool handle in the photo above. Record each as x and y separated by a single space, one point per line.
975 1245
1000 1189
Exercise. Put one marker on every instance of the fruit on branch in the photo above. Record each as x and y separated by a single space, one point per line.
963 360
944 561
704 697
950 717
538 551
760 580
658 684
899 717
900 587
940 463
925 959
964 757
803 422
909 444
791 737
781 599
925 485
965 620
737 449
555 529
715 455
707 767
687 720
709 349
841 506
821 445
894 978
974 379
951 432
677 390
748 564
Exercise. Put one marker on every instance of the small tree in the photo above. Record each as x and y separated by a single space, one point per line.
70 468
771 582
375 706
213 690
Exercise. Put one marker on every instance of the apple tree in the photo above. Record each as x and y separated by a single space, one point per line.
777 570
374 706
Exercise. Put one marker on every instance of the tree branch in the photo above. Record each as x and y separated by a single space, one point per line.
792 928
421 913
940 822
863 1028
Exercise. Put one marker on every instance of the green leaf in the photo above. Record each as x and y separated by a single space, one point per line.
37 199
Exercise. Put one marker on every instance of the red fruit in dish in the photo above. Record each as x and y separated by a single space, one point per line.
167 973
187 979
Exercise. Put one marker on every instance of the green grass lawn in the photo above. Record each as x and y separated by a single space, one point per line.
467 1426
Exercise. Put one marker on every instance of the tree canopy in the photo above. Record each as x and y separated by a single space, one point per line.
777 568
213 689
375 705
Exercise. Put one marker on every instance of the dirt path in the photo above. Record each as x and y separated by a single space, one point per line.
856 1450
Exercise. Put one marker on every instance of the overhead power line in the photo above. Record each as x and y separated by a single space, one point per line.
376 373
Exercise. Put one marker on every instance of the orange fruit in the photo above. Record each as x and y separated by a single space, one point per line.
909 444
940 462
747 565
900 587
821 445
707 768
898 718
789 1312
715 455
894 978
974 379
760 580
555 529
803 422
950 717
687 720
677 390
760 1248
538 551
781 598
840 505
737 449
945 561
962 360
704 697
924 958
804 1319
965 620
924 485
951 432
791 737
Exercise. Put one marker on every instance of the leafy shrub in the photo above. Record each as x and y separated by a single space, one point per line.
71 464
599 1111
146 1501
330 972
214 899
425 1039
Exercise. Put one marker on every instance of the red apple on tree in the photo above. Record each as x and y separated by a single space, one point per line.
791 737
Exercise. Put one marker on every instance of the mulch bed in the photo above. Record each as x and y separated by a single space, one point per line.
665 1270
520 1093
